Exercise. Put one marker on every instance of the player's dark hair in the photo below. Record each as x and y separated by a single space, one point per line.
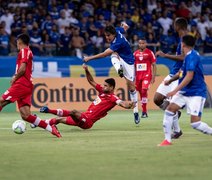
24 38
142 38
111 82
189 40
110 29
181 23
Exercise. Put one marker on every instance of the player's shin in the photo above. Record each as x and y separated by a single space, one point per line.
63 113
167 124
0 108
176 125
38 122
144 100
202 127
134 98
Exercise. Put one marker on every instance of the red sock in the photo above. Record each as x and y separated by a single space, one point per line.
144 100
52 121
52 111
32 119
59 112
0 108
144 109
42 124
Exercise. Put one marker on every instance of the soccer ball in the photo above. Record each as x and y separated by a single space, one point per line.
19 127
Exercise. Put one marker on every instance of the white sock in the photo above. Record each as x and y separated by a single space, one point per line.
202 127
49 128
167 124
116 62
134 98
176 125
37 121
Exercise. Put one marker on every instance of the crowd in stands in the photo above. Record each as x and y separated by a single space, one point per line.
75 27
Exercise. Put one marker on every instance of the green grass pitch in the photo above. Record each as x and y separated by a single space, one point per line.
114 149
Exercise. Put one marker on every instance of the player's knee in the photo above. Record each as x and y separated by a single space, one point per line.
24 116
157 101
73 112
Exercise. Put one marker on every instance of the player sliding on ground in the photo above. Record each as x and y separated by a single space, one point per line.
122 59
104 102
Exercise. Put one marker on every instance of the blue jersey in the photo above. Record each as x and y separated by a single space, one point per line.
178 64
197 86
121 46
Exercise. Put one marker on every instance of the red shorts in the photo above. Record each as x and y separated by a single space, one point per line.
83 122
19 93
143 83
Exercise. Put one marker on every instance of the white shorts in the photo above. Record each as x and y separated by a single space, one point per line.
194 104
128 70
163 89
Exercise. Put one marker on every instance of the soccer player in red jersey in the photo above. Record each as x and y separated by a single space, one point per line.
145 66
22 87
99 108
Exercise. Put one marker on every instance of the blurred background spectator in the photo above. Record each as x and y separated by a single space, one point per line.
75 27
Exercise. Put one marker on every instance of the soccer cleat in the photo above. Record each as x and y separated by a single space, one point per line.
165 143
33 126
179 114
55 131
144 115
121 72
136 118
44 109
176 135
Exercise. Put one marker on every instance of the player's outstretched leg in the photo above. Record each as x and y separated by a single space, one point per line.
58 112
42 124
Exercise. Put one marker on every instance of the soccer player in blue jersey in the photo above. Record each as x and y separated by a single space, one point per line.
160 98
191 91
122 59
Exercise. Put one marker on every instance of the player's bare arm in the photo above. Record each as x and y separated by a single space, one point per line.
174 78
106 53
89 76
169 56
127 105
154 70
185 82
125 26
20 73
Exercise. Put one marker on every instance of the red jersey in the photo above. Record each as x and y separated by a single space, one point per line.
101 105
143 63
25 56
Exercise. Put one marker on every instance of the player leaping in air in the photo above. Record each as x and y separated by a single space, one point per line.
104 102
122 59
